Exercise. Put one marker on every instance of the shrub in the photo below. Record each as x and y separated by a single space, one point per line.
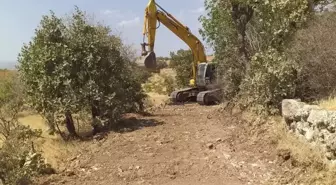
181 61
161 63
314 48
19 160
11 103
163 83
140 74
270 79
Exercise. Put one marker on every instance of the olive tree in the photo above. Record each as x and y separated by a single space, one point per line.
249 37
73 65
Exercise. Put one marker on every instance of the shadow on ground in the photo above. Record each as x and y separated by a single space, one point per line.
129 123
133 124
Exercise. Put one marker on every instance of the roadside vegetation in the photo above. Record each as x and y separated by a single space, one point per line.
76 71
266 58
272 50
73 66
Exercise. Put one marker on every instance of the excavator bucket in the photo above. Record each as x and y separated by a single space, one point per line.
148 61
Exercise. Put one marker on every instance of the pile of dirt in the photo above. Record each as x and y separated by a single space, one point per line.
186 144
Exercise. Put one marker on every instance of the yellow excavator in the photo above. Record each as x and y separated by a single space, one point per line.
203 85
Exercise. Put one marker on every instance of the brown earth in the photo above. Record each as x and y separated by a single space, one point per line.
176 145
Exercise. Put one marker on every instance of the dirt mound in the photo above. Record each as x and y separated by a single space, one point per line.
187 144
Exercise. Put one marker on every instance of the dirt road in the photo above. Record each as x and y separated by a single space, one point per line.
178 145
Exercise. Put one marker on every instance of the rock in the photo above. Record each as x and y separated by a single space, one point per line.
73 158
292 126
311 123
331 142
69 173
120 170
219 140
330 156
331 128
63 181
1 183
295 110
332 121
95 168
210 146
300 128
99 136
310 135
61 169
51 132
318 118
227 156
284 154
254 165
306 110
321 136
48 171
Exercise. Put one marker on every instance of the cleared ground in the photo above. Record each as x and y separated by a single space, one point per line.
187 144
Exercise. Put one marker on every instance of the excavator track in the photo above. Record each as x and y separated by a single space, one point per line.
210 97
183 95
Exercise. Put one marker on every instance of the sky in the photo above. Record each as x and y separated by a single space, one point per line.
19 18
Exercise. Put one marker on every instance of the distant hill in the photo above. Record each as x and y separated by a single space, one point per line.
8 65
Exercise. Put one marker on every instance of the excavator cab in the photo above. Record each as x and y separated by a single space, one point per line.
206 75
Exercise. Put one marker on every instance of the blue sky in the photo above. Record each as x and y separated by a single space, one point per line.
19 18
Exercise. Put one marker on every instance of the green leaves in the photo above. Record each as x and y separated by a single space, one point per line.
249 38
73 62
181 61
270 79
19 160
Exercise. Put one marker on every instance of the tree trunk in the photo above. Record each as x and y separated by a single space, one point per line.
70 124
241 15
95 114
51 123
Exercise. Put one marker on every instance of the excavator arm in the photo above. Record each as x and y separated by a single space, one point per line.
155 14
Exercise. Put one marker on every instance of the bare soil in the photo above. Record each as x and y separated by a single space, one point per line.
176 145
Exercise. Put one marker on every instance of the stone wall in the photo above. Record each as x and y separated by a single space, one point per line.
314 124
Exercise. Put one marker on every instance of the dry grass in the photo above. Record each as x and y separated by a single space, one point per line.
6 73
301 151
53 147
308 165
156 99
168 71
329 104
